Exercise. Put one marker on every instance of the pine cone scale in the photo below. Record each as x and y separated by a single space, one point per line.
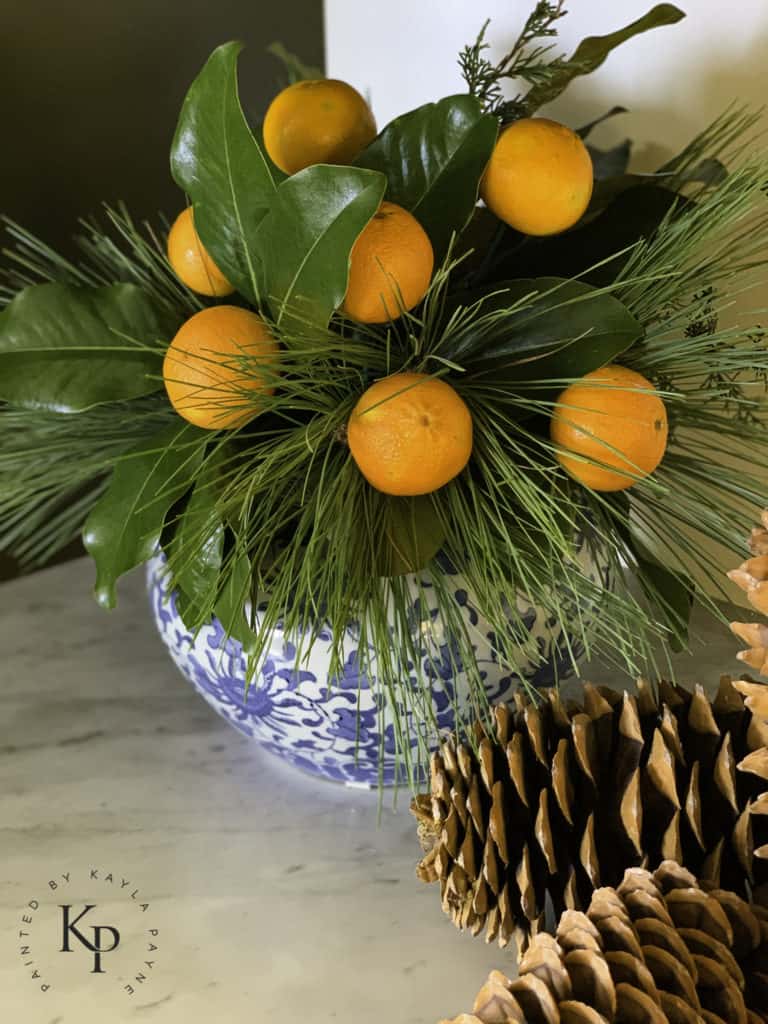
709 969
558 801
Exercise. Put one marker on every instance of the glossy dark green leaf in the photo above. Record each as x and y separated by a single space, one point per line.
612 186
307 237
220 165
414 535
597 250
196 551
477 246
230 606
608 186
433 158
559 329
123 529
68 348
591 52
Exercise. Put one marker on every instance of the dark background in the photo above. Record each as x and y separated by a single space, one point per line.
90 91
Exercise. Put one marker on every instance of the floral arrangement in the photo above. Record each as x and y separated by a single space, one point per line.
471 340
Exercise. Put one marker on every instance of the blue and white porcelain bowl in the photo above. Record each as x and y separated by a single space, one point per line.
337 726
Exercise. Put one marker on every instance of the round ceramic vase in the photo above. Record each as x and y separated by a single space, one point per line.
332 725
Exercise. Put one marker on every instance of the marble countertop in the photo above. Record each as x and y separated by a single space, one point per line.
274 897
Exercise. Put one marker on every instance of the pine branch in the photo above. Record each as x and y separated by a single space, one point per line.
119 251
54 466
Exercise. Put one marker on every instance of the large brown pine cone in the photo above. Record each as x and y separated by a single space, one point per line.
658 949
561 800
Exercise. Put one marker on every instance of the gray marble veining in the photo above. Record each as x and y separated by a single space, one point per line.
275 897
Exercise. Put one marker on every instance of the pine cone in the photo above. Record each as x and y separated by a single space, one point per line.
659 949
752 577
567 798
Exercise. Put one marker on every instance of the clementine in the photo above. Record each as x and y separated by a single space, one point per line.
610 429
207 370
191 261
539 178
410 434
322 121
390 266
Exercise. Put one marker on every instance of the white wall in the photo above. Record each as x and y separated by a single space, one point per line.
674 79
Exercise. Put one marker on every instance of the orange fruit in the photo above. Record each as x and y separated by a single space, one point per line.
539 177
203 370
191 261
322 121
390 266
410 434
611 429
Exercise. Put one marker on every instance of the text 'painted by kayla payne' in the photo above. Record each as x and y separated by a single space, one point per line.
56 924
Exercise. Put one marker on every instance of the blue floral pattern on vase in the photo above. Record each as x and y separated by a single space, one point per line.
337 727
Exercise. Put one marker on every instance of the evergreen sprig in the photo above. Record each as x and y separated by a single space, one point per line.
55 467
525 61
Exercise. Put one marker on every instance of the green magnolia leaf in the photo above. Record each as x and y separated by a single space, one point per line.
591 52
613 186
597 250
230 606
124 528
611 180
220 165
433 158
307 237
476 247
632 216
414 533
68 348
559 329
196 550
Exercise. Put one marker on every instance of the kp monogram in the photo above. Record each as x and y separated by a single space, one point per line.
95 947
49 927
